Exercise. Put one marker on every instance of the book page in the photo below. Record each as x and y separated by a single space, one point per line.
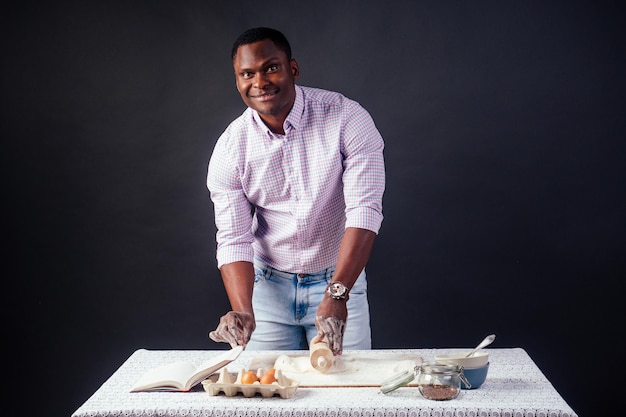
172 376
182 376
213 365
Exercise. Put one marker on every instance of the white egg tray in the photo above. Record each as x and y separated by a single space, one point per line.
230 384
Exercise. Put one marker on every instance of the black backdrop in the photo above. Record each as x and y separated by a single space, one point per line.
504 209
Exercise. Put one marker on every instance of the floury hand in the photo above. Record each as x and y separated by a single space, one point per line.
235 328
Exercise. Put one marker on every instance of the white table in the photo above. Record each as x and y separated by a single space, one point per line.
515 387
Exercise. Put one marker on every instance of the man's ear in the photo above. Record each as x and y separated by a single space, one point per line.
295 68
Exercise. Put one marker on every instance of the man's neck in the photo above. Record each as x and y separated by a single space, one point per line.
275 123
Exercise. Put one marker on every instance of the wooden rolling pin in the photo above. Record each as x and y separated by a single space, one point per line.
321 356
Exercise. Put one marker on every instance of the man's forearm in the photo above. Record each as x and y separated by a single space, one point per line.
238 278
354 252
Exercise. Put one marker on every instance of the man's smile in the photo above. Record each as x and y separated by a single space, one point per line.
265 96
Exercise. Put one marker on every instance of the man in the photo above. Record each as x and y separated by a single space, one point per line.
297 183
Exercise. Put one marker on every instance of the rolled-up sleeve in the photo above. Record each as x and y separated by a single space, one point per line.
233 212
364 171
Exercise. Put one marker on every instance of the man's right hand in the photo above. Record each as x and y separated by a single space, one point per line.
235 328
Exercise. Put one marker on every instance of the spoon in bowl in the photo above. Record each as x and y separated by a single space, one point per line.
486 342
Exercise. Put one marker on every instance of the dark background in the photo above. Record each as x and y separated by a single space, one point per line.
504 208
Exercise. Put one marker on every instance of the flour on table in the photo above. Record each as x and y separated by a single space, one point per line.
302 364
348 369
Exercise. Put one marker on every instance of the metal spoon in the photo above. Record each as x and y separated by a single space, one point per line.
486 342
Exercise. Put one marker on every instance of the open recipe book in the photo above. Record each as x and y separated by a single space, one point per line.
182 376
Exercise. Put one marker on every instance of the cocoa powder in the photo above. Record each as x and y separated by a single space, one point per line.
439 392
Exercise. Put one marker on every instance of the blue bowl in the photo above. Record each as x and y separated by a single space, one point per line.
475 376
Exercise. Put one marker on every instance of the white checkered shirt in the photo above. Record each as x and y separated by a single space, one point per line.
288 198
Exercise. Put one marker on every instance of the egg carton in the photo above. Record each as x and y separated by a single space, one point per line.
230 384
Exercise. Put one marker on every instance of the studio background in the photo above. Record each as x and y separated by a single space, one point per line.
504 208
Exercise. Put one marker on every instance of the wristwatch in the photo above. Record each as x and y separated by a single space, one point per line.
337 291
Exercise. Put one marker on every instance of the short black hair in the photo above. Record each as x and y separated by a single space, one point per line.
261 33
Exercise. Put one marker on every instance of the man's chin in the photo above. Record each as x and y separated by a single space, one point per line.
266 111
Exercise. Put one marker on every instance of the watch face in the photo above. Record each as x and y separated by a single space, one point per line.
337 290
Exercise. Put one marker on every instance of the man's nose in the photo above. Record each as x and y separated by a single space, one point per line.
260 79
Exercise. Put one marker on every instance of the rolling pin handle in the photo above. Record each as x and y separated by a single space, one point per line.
322 362
321 357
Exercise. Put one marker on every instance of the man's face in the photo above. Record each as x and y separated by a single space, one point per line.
266 80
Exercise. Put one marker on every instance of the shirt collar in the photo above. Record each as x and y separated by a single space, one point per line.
293 118
295 115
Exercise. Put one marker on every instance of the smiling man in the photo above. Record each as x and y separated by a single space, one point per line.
297 183
265 78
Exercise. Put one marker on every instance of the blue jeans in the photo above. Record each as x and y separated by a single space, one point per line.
285 305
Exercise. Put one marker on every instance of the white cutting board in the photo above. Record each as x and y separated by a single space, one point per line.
362 369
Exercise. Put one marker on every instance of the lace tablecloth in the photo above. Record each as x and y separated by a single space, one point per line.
515 387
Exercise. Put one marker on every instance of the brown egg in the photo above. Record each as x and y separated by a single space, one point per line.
249 377
268 377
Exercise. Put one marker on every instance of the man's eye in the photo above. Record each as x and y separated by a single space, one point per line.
272 68
246 74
